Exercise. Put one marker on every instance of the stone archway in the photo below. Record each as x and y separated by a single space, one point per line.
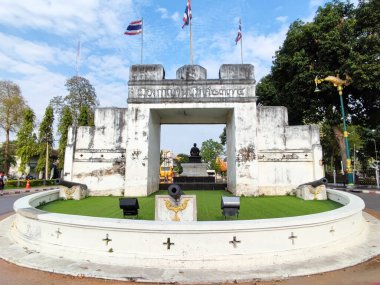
120 154
190 99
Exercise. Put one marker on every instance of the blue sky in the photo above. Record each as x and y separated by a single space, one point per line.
39 45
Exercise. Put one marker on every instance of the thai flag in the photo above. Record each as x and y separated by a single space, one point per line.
239 35
134 28
187 16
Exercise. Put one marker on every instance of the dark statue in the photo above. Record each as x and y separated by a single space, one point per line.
194 150
194 155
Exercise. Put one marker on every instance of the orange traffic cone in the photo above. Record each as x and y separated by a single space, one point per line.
27 184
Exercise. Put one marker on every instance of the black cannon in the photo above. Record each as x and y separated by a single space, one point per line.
175 192
316 183
230 206
70 184
130 206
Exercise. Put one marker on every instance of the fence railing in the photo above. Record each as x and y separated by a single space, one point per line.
361 178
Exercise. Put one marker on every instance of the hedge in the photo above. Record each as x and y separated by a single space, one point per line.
34 182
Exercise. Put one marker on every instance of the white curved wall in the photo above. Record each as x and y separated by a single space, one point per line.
196 244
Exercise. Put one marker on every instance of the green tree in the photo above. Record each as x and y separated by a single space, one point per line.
81 93
11 151
332 138
364 62
210 151
86 116
267 91
65 123
223 137
180 158
45 139
12 104
341 40
26 143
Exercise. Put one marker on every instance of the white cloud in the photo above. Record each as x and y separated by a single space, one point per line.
31 52
165 14
56 16
109 76
282 19
175 17
258 49
314 4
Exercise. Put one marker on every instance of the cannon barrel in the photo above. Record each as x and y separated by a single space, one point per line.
70 184
175 191
316 183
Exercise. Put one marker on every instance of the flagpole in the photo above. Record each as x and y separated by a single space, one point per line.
241 50
191 40
142 39
241 45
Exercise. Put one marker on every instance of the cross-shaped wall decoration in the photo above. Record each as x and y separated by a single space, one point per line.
168 243
234 241
292 237
107 240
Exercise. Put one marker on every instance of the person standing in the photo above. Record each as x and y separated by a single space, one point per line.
2 183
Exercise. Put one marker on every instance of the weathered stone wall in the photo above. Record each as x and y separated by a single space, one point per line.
287 155
95 156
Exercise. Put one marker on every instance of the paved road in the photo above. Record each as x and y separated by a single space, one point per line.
6 202
372 201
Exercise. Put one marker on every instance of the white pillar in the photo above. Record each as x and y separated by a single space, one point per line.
142 151
245 141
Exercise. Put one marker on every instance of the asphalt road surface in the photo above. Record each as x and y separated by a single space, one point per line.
6 202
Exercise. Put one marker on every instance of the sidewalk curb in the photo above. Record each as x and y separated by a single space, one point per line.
31 190
370 191
356 190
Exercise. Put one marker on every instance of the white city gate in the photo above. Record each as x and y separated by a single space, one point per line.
121 154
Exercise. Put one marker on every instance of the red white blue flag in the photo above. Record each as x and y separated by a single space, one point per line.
134 28
239 35
187 15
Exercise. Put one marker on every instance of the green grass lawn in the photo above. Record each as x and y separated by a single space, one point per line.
208 206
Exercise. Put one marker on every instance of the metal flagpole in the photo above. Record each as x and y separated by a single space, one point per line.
241 44
142 38
241 49
191 37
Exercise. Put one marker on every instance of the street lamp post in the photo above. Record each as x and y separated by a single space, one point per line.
47 161
354 165
374 141
339 83
376 164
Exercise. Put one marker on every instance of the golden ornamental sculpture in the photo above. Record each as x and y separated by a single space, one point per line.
176 208
315 191
69 192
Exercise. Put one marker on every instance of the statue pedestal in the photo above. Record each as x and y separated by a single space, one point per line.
76 192
185 210
194 169
195 159
308 192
